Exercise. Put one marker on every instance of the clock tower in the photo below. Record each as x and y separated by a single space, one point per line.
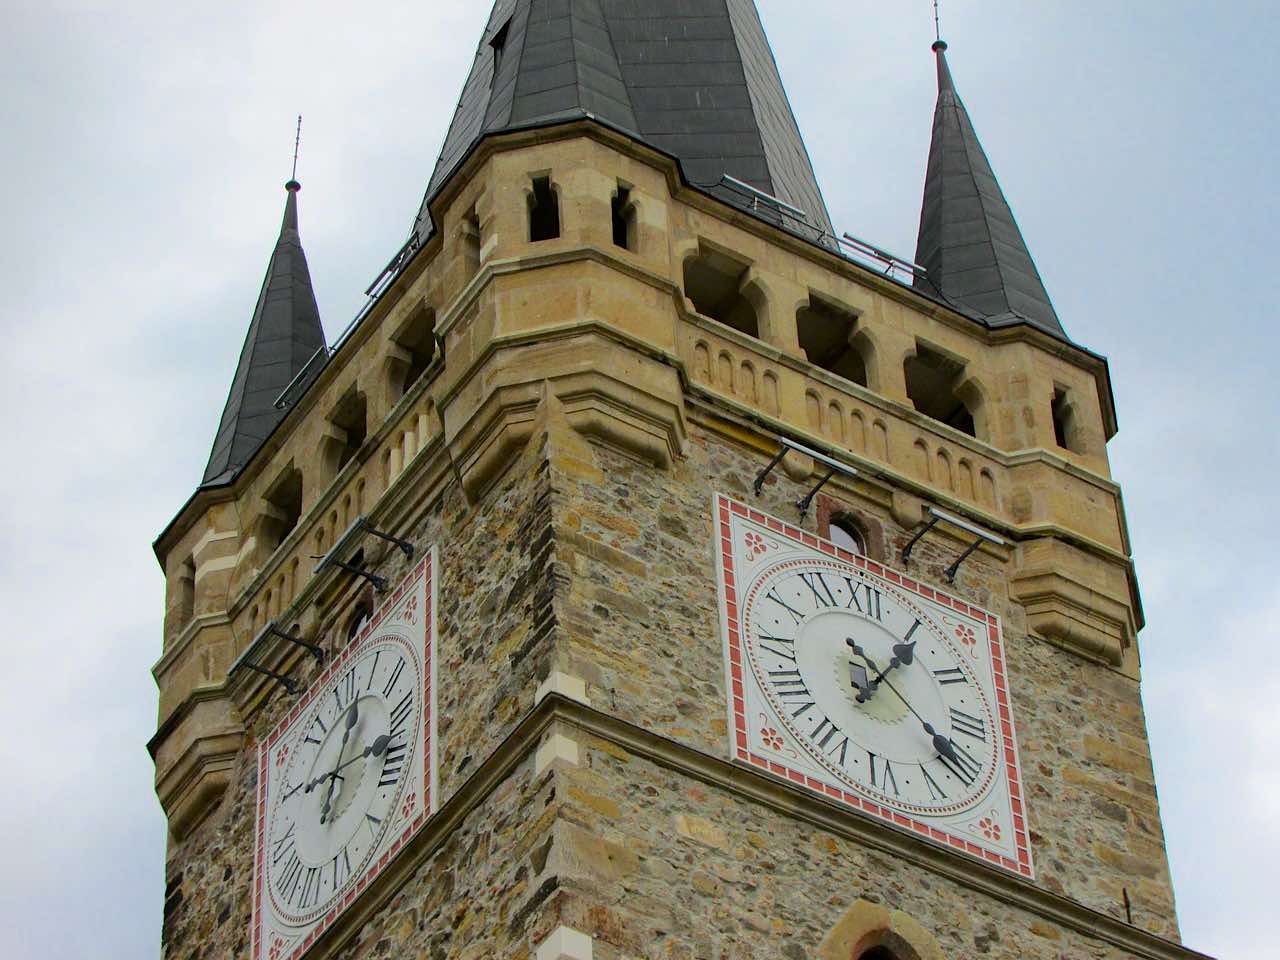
652 571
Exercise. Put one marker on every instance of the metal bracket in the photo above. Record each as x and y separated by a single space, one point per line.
935 517
272 629
358 528
788 446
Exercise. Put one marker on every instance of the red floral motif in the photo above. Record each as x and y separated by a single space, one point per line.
277 948
990 829
283 756
966 635
756 545
771 738
410 802
411 609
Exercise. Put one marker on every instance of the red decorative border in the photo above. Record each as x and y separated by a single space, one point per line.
424 572
725 507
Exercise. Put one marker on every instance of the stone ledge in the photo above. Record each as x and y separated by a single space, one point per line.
195 762
756 787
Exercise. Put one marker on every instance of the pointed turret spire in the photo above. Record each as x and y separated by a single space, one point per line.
695 79
284 334
969 242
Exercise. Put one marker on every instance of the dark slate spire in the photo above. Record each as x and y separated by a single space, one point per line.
969 242
693 78
284 334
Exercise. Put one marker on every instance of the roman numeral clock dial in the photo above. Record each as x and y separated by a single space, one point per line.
869 688
347 775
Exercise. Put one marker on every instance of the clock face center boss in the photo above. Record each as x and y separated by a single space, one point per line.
868 687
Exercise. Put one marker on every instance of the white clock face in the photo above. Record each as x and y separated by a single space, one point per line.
348 776
344 775
872 686
868 687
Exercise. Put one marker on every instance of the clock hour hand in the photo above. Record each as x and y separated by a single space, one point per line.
858 673
940 743
903 655
353 717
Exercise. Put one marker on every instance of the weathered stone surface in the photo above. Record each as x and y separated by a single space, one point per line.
563 458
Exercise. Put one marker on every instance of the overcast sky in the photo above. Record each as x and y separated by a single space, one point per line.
144 150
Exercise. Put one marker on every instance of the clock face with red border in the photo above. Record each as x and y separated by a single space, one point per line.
868 687
348 776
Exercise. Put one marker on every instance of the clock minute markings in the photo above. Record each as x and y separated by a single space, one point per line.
776 651
970 726
874 609
341 867
283 845
961 764
828 731
394 678
795 614
886 779
824 596
792 689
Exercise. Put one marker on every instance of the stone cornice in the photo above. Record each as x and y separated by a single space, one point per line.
752 786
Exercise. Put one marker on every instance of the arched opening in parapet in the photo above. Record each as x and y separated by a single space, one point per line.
934 380
417 337
544 211
827 336
845 533
714 282
1066 428
469 235
624 219
351 420
283 507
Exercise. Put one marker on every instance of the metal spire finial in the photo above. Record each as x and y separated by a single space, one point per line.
938 43
297 140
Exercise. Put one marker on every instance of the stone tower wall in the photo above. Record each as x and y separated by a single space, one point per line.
561 451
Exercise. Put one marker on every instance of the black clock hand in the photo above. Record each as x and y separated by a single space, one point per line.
375 749
858 675
353 716
940 743
903 656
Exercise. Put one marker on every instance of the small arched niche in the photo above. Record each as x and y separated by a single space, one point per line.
714 281
1066 423
417 338
826 331
934 379
544 210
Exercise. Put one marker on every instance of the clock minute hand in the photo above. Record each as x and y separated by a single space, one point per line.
353 716
375 749
940 743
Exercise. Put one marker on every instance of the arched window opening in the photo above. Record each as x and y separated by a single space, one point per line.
1065 433
418 338
932 381
844 533
879 953
184 595
713 282
544 211
351 418
283 508
499 45
470 237
826 333
624 218
358 619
